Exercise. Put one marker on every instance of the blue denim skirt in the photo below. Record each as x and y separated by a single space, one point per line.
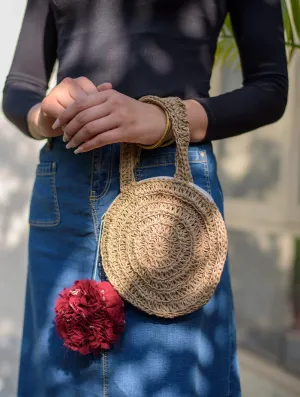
190 356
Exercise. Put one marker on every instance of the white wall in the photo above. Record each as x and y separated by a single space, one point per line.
260 174
18 156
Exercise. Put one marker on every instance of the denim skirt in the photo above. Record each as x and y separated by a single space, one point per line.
190 356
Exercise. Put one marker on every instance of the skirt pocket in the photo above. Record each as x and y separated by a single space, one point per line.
161 162
44 208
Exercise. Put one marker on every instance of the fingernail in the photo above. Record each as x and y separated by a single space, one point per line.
65 138
69 145
56 124
78 150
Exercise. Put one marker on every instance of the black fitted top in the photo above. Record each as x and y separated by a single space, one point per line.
159 47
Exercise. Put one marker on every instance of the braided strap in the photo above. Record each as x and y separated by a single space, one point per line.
129 156
177 113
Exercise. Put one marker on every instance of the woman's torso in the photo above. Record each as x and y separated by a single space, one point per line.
164 47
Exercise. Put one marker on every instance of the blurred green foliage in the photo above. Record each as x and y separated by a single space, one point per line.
227 52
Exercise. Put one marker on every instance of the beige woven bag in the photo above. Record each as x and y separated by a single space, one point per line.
164 242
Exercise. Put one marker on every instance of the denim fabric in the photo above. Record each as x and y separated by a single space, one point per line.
191 356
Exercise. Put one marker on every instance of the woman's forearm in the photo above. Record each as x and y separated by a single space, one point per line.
198 120
196 114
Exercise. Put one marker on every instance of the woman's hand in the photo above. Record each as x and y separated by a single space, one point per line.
42 116
108 117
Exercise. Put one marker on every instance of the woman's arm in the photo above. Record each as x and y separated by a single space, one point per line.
262 100
111 117
34 58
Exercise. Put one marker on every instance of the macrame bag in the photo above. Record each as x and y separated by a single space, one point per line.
164 242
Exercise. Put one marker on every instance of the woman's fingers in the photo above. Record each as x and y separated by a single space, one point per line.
107 138
76 123
85 117
80 105
51 108
68 91
104 87
89 130
65 94
62 96
86 85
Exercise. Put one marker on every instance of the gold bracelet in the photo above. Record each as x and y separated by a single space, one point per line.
168 143
160 142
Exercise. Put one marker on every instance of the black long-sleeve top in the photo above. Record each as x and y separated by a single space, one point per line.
159 47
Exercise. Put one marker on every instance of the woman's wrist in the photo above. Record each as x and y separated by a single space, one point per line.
33 122
163 138
198 120
150 129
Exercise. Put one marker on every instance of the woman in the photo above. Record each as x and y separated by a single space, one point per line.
139 47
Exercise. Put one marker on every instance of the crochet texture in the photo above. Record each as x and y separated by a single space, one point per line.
164 242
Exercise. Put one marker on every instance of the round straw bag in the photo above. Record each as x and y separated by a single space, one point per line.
164 242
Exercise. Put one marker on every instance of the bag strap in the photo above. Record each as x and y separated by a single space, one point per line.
130 153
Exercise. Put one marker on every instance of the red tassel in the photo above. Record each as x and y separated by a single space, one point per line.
89 316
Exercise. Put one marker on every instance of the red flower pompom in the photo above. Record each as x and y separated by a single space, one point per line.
89 316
